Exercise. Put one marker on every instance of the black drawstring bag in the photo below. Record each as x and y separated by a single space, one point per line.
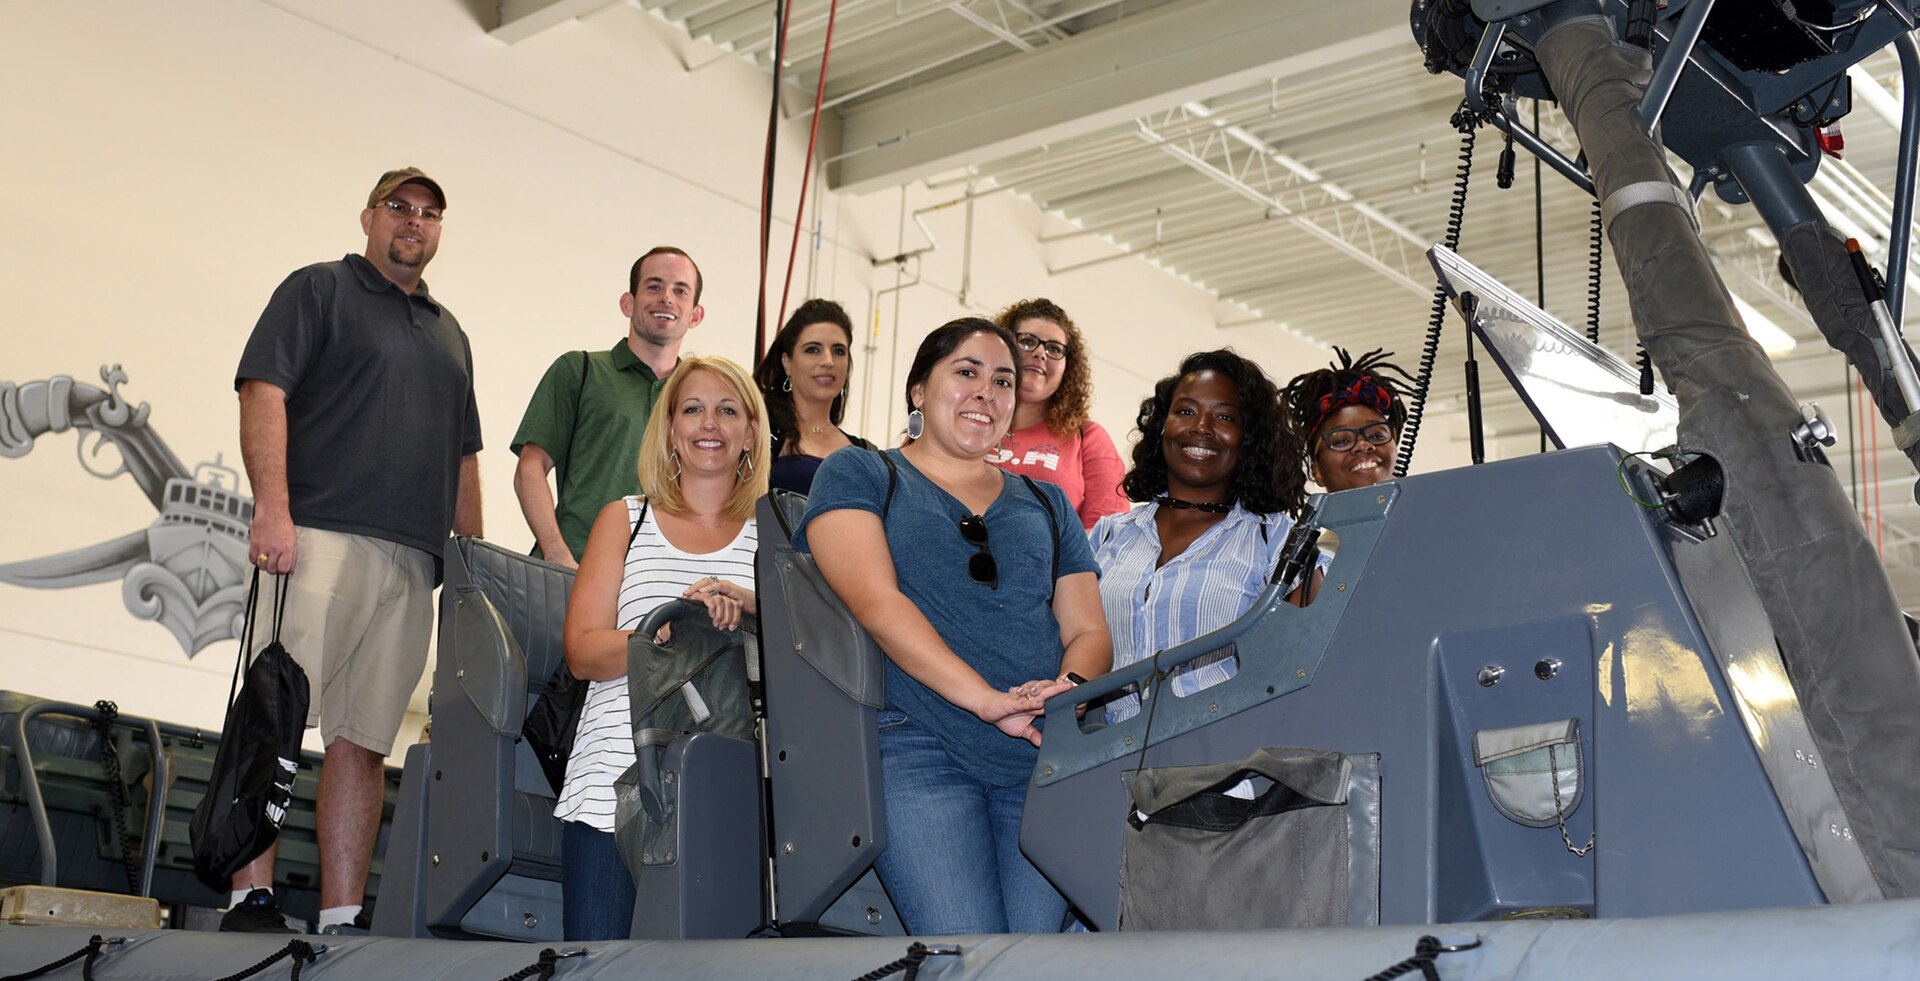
253 770
550 725
552 722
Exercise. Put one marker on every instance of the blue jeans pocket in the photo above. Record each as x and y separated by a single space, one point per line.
888 719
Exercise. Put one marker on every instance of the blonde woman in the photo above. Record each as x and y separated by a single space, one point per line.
704 463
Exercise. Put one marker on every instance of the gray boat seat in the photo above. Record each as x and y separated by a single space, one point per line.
824 681
476 813
690 810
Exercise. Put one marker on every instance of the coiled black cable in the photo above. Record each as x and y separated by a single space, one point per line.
1466 121
1596 252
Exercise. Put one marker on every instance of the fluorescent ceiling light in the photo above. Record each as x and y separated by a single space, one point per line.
1772 339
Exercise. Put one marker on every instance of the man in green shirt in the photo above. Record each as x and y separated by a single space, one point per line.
590 409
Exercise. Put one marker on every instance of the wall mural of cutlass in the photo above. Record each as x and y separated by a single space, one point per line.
188 570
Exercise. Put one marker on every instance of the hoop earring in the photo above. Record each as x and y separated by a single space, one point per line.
745 467
673 458
786 384
916 424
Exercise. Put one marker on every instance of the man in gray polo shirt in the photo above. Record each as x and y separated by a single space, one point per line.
590 409
359 430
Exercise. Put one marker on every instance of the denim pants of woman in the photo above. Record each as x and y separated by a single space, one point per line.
596 893
953 862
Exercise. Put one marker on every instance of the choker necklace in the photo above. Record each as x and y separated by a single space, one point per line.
1209 507
816 430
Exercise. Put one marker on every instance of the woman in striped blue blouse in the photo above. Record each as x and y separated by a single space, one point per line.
703 461
1218 469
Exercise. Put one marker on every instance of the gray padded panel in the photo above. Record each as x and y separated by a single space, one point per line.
490 669
532 597
823 753
818 627
709 888
493 843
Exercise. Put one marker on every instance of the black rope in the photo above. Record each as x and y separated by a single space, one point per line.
91 951
303 953
1466 121
117 790
544 967
1425 951
910 964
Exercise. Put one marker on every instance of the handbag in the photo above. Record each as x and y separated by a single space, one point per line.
551 723
251 785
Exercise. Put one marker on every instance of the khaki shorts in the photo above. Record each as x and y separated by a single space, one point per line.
358 620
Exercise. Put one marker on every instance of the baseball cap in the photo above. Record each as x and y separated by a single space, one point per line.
392 179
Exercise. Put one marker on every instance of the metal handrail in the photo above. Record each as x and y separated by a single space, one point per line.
37 805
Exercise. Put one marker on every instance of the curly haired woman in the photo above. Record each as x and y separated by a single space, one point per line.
1052 438
1217 466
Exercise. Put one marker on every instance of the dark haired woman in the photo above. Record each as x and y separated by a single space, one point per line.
1052 439
1350 415
804 379
1216 467
980 588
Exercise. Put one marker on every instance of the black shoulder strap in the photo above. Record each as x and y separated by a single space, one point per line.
637 522
893 477
1053 526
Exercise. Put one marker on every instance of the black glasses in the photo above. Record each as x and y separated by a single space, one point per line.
1342 440
402 210
981 565
1030 343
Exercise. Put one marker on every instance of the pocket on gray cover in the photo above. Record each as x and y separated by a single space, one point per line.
1533 772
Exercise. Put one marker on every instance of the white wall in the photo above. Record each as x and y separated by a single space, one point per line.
168 164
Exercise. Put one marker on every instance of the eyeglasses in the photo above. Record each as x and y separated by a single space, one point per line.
1029 343
981 565
403 211
1342 440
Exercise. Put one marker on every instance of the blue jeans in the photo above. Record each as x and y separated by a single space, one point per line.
596 892
953 862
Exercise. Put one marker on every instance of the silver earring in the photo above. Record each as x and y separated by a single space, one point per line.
916 424
745 467
673 458
786 384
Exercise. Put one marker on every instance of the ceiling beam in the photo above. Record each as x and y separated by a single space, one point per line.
1106 76
522 19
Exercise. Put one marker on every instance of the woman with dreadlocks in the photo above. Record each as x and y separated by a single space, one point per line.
1350 414
1215 468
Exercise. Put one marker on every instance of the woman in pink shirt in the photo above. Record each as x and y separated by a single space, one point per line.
1052 439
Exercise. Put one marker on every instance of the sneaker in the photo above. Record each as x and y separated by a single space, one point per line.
258 913
361 926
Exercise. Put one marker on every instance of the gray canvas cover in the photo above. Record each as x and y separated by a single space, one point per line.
1260 843
696 682
1832 607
